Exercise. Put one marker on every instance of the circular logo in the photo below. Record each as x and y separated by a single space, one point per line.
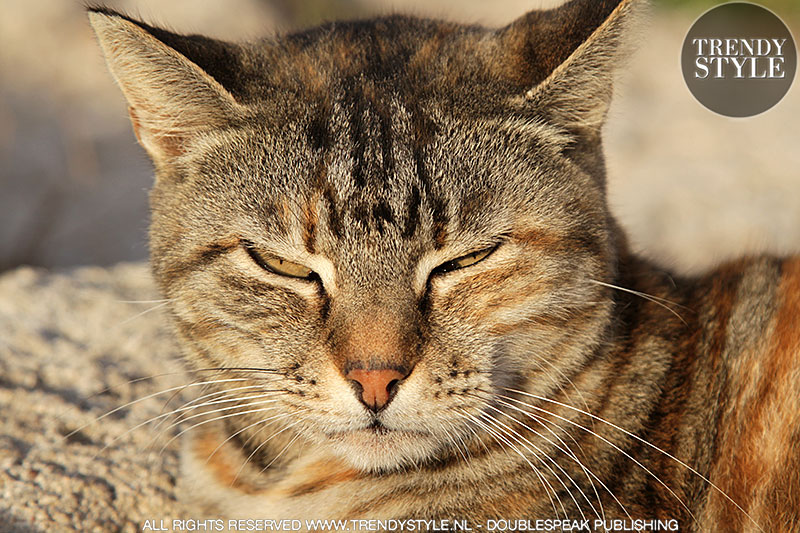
739 59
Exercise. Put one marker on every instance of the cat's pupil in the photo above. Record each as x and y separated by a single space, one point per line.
464 261
278 265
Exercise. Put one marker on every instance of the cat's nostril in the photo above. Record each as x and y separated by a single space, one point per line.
377 386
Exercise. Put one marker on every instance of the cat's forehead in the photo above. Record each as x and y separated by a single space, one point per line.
393 109
371 163
383 151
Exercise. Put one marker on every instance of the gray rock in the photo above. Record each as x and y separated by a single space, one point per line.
72 348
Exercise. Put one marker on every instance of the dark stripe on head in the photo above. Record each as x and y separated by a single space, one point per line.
334 218
424 131
412 213
282 299
310 224
327 195
382 214
357 110
317 132
269 211
439 223
212 251
362 215
387 142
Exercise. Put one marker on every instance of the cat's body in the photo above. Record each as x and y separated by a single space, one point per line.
391 239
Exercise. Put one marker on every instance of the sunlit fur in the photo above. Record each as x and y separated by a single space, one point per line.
557 376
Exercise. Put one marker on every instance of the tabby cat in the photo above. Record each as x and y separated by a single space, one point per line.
388 251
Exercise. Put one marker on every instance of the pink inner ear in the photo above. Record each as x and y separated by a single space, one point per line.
157 144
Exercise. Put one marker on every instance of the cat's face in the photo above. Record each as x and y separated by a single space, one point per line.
388 254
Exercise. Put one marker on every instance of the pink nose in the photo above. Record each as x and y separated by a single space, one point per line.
377 386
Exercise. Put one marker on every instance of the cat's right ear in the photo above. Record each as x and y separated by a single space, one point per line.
171 100
563 60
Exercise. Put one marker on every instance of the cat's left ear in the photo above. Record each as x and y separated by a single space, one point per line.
173 83
564 59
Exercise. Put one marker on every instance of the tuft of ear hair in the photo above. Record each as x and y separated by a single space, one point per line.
171 100
565 58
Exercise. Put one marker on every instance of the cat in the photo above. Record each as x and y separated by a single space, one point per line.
388 251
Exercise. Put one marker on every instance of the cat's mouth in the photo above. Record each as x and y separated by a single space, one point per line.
378 428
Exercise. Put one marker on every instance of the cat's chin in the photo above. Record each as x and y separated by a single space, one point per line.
383 450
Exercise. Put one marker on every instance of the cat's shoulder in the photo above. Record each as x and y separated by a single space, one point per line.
751 325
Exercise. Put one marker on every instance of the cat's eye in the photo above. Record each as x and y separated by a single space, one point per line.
464 261
277 265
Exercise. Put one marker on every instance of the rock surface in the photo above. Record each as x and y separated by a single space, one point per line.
73 346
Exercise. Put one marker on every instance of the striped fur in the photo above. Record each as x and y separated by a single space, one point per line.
558 375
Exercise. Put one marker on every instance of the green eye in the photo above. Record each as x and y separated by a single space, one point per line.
464 261
277 265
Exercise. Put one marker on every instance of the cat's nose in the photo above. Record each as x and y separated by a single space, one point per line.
377 387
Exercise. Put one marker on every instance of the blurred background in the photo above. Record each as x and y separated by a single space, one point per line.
692 188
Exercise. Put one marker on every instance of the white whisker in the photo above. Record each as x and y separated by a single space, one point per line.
204 422
159 417
567 453
655 299
249 457
147 397
548 488
626 454
636 437
134 317
232 436
211 397
222 409
541 421
509 431
288 445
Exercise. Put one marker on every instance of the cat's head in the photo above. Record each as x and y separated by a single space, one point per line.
397 219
